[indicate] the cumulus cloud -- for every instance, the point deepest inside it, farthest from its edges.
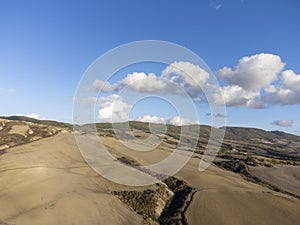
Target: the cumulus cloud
(256, 81)
(151, 119)
(142, 82)
(253, 72)
(286, 91)
(176, 120)
(113, 108)
(291, 80)
(281, 96)
(283, 123)
(186, 74)
(236, 96)
(176, 78)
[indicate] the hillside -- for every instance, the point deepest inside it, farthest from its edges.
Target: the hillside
(21, 130)
(45, 179)
(36, 121)
(276, 144)
(253, 134)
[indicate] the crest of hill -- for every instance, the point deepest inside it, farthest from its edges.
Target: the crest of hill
(18, 130)
(232, 133)
(36, 121)
(246, 141)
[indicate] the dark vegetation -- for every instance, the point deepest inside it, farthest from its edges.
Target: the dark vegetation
(142, 202)
(175, 209)
(145, 202)
(128, 161)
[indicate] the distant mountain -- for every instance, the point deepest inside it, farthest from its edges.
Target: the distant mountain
(255, 141)
(232, 133)
(242, 134)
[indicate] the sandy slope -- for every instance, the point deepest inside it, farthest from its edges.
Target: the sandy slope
(223, 197)
(47, 182)
(284, 177)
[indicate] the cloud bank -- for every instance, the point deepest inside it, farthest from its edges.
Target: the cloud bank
(257, 81)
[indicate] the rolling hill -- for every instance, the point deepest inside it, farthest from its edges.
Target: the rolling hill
(45, 180)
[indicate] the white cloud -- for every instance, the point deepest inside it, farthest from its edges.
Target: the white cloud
(176, 77)
(113, 109)
(253, 72)
(32, 115)
(151, 119)
(281, 96)
(286, 91)
(176, 120)
(236, 96)
(257, 81)
(291, 80)
(283, 123)
(186, 74)
(142, 82)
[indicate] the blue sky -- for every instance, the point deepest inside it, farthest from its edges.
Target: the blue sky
(45, 47)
